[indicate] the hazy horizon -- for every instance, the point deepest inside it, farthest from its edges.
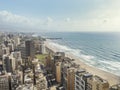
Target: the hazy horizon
(60, 16)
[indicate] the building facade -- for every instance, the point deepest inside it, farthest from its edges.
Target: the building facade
(4, 83)
(99, 83)
(58, 72)
(79, 82)
(30, 50)
(71, 79)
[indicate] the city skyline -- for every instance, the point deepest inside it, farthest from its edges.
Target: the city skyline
(63, 15)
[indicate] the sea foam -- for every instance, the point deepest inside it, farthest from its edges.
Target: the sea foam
(112, 67)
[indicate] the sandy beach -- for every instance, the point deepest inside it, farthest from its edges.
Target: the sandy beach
(111, 78)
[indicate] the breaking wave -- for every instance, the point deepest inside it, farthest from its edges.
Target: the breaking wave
(112, 66)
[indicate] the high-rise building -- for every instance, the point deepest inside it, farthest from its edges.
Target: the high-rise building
(13, 62)
(18, 58)
(11, 47)
(67, 74)
(48, 61)
(1, 66)
(6, 50)
(30, 50)
(16, 40)
(79, 82)
(82, 80)
(1, 52)
(58, 72)
(22, 50)
(42, 47)
(87, 77)
(59, 56)
(71, 79)
(7, 64)
(6, 43)
(15, 80)
(64, 68)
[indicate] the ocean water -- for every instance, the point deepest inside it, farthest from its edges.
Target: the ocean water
(101, 50)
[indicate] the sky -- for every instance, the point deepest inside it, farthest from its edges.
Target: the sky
(60, 15)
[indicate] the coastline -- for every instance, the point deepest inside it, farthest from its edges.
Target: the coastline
(111, 78)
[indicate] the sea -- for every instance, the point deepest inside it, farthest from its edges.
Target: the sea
(100, 50)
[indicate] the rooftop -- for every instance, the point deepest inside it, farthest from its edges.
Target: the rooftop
(87, 75)
(97, 78)
(80, 71)
(26, 87)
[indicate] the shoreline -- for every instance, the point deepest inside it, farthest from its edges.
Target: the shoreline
(111, 78)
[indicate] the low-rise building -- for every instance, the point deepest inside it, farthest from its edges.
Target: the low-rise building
(41, 82)
(115, 87)
(99, 84)
(26, 87)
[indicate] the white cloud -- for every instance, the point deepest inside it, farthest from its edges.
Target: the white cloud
(9, 18)
(49, 19)
(106, 17)
(103, 18)
(67, 19)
